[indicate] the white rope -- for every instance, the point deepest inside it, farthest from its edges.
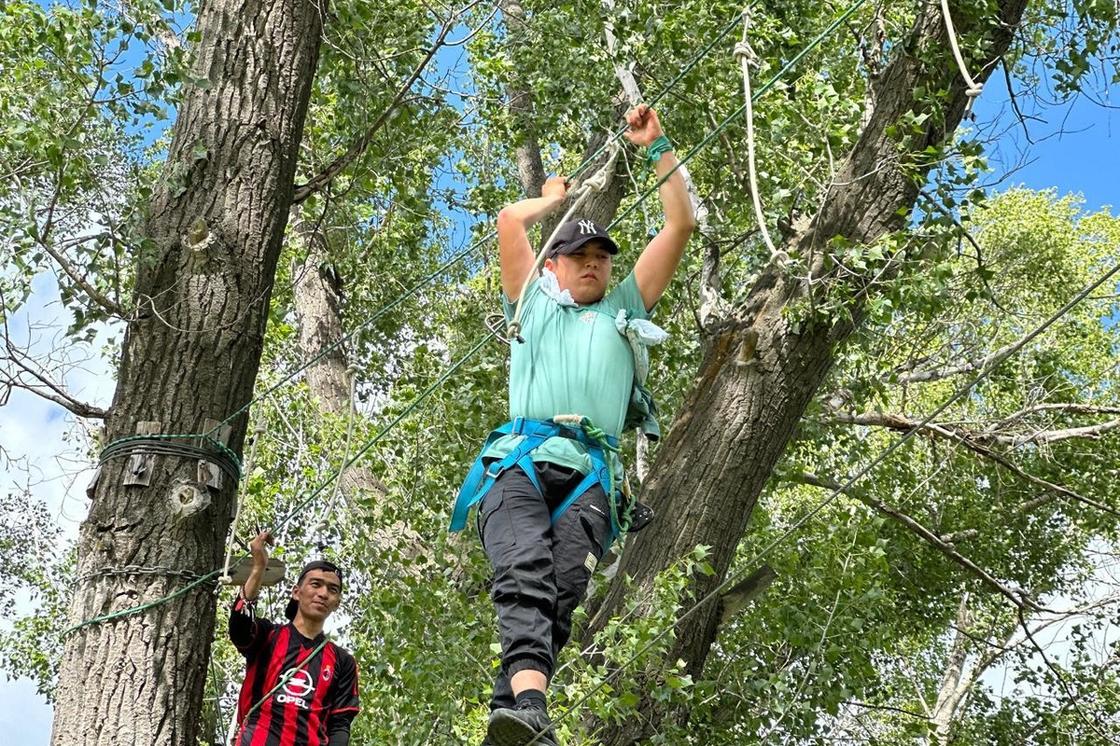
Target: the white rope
(596, 183)
(258, 430)
(746, 57)
(974, 89)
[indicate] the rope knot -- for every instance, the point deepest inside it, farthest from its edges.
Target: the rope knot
(602, 177)
(743, 52)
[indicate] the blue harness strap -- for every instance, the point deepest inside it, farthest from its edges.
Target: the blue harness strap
(481, 477)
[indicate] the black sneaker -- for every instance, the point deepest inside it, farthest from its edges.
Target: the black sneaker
(518, 727)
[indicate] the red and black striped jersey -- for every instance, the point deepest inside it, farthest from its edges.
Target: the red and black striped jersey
(315, 704)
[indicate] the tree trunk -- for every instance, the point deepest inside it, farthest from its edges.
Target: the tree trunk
(317, 293)
(213, 236)
(760, 371)
(951, 691)
(317, 296)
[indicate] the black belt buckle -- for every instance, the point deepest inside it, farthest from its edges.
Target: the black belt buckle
(640, 517)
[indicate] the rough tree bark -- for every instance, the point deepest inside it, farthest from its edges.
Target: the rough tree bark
(759, 371)
(214, 231)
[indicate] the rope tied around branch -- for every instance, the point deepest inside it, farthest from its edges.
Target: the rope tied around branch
(215, 451)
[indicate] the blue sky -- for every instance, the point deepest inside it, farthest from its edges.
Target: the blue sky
(1078, 151)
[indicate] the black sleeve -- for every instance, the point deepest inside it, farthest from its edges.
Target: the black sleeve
(338, 730)
(247, 633)
(344, 702)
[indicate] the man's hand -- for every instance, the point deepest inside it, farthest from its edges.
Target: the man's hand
(258, 548)
(555, 187)
(516, 253)
(645, 127)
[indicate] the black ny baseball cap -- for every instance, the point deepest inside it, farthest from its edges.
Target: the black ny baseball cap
(293, 605)
(575, 233)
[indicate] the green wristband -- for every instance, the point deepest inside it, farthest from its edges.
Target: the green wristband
(657, 148)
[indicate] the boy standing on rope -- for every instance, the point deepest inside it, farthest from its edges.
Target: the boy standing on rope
(300, 689)
(543, 479)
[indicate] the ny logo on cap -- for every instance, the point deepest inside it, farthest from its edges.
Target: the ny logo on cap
(586, 228)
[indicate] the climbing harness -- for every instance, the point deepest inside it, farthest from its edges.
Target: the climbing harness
(534, 433)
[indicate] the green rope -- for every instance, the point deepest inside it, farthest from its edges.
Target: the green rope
(133, 610)
(363, 325)
(385, 430)
(131, 444)
(602, 439)
(302, 505)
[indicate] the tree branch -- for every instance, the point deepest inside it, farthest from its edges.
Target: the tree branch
(327, 175)
(972, 364)
(61, 398)
(903, 423)
(735, 598)
(1073, 697)
(46, 388)
(95, 295)
(1016, 596)
(527, 152)
(1054, 436)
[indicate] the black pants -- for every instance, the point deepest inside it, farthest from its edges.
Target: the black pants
(541, 570)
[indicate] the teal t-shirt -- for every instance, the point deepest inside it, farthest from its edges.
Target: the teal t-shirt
(573, 361)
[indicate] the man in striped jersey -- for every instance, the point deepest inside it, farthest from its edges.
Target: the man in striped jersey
(300, 689)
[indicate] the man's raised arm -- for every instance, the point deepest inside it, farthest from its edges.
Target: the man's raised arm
(245, 630)
(655, 267)
(514, 250)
